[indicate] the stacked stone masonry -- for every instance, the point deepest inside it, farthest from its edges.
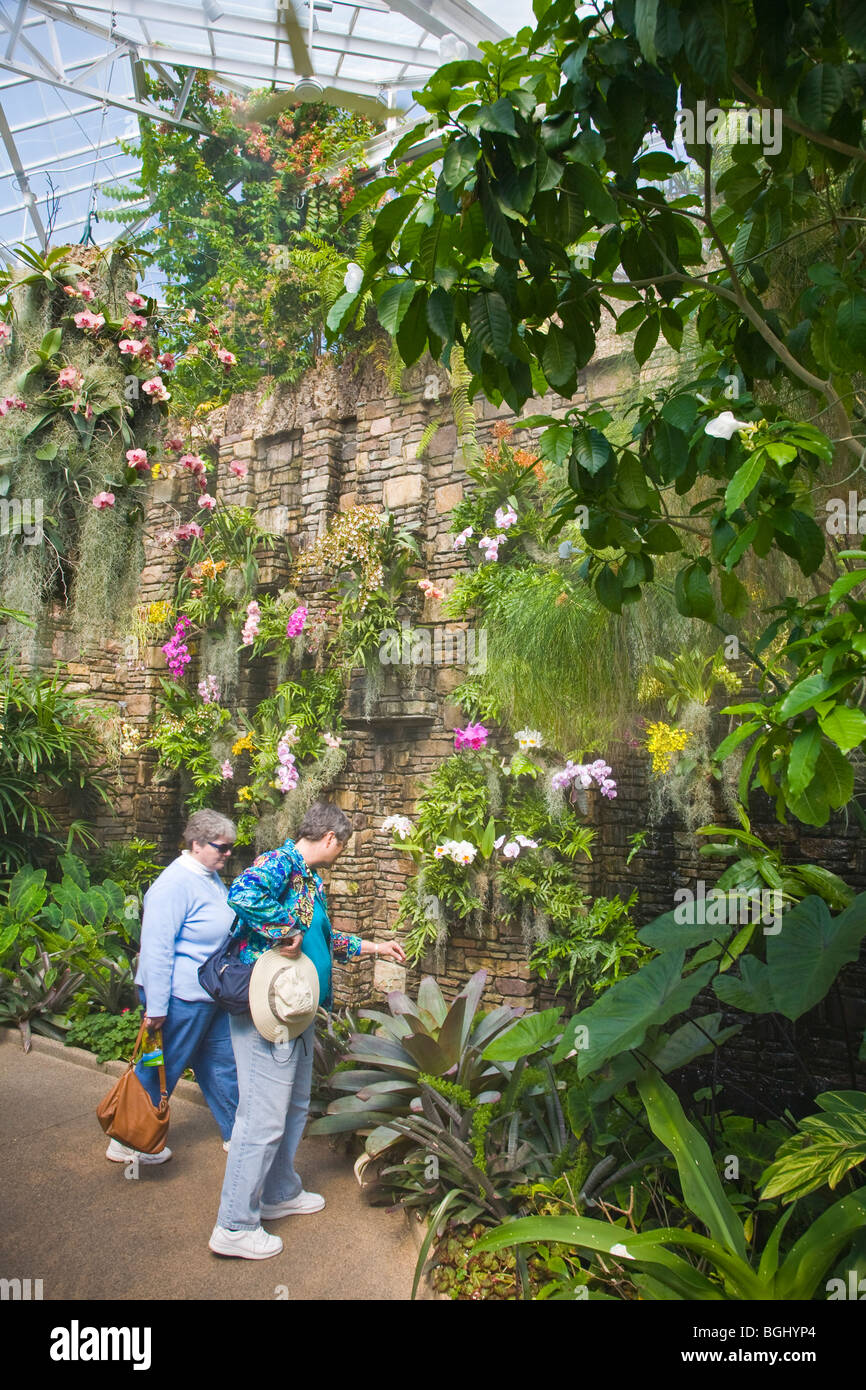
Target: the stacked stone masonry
(341, 438)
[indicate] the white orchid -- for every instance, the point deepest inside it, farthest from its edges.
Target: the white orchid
(354, 278)
(398, 825)
(724, 425)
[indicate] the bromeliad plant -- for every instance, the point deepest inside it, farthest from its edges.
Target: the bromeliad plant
(418, 1043)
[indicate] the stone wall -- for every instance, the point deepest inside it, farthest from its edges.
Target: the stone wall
(343, 437)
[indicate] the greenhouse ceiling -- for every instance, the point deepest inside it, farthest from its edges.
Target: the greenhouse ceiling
(73, 82)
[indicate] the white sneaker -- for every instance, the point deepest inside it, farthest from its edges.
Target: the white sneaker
(249, 1245)
(304, 1202)
(120, 1153)
(227, 1143)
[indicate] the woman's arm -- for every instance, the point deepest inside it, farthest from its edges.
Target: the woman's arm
(165, 910)
(272, 897)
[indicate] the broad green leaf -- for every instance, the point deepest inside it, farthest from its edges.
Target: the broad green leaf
(815, 1252)
(804, 758)
(820, 95)
(430, 998)
(844, 584)
(807, 693)
(498, 118)
(621, 1017)
(645, 17)
(701, 1184)
(490, 322)
(804, 958)
(559, 360)
(394, 305)
(746, 478)
(845, 726)
(591, 449)
(645, 339)
(460, 159)
(527, 1035)
(751, 992)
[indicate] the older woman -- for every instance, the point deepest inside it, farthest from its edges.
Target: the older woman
(186, 918)
(280, 901)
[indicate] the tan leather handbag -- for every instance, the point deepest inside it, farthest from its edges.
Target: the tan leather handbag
(127, 1113)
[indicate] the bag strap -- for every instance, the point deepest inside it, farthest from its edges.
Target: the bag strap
(163, 1085)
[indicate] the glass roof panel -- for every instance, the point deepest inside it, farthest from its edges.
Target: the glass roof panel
(71, 80)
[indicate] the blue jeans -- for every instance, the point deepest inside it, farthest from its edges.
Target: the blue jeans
(196, 1034)
(274, 1081)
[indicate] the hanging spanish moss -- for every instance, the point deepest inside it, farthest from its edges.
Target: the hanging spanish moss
(285, 821)
(221, 658)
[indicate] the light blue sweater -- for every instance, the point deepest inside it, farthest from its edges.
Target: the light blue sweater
(186, 917)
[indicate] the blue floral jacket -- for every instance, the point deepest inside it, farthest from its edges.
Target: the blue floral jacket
(274, 898)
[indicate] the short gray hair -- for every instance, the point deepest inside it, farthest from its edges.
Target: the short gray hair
(205, 826)
(322, 817)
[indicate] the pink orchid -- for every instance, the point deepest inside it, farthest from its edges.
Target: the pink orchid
(167, 360)
(89, 323)
(103, 500)
(131, 347)
(207, 501)
(174, 442)
(238, 468)
(194, 462)
(228, 359)
(86, 292)
(12, 402)
(133, 321)
(5, 332)
(296, 622)
(137, 458)
(70, 377)
(473, 736)
(227, 770)
(135, 301)
(251, 626)
(187, 531)
(155, 388)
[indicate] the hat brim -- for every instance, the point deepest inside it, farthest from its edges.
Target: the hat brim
(265, 971)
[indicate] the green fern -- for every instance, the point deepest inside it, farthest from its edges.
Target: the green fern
(431, 429)
(462, 408)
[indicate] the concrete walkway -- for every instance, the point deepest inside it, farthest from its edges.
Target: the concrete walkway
(73, 1220)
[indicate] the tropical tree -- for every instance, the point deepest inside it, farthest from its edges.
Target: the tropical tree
(554, 215)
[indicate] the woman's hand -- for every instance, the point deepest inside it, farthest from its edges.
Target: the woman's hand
(391, 950)
(152, 1021)
(291, 949)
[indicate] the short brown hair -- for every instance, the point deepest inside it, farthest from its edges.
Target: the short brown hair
(322, 817)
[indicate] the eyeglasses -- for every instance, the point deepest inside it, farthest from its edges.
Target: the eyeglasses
(223, 849)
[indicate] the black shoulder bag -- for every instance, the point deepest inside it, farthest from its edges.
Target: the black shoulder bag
(226, 978)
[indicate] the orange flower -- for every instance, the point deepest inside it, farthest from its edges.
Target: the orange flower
(502, 430)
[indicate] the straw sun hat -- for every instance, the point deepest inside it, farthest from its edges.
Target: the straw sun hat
(284, 995)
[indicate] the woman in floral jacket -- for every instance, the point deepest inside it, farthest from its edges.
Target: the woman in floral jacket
(280, 899)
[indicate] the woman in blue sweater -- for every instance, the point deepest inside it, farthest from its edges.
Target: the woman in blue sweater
(186, 918)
